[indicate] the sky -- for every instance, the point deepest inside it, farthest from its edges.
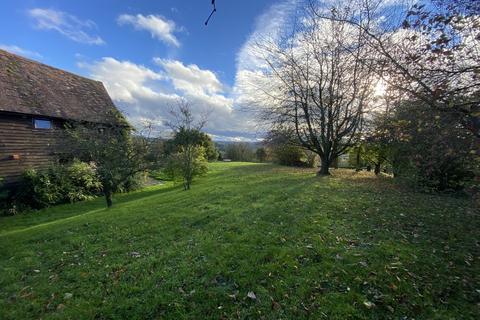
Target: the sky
(150, 53)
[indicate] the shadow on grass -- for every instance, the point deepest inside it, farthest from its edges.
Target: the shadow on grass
(65, 212)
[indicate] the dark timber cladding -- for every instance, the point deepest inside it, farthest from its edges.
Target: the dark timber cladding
(22, 146)
(35, 102)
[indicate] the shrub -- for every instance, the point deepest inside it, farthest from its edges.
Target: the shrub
(311, 159)
(286, 150)
(4, 198)
(3, 191)
(59, 184)
(288, 155)
(38, 190)
(80, 181)
(132, 183)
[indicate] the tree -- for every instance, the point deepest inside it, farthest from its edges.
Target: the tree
(358, 151)
(321, 80)
(378, 145)
(177, 167)
(188, 158)
(211, 152)
(447, 57)
(261, 154)
(429, 51)
(204, 140)
(376, 153)
(239, 151)
(431, 147)
(117, 154)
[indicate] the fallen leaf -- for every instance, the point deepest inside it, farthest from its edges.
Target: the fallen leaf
(251, 295)
(275, 305)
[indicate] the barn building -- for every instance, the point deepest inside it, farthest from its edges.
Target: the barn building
(36, 101)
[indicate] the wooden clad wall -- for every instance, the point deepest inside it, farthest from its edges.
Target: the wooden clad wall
(34, 148)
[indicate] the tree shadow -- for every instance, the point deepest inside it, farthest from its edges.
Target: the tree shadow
(61, 212)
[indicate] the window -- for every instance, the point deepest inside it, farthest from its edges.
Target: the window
(42, 124)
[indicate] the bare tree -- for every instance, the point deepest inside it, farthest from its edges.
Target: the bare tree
(322, 79)
(430, 50)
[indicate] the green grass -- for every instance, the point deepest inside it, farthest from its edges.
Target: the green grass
(350, 246)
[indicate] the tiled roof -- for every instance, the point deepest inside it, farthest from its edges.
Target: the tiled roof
(33, 88)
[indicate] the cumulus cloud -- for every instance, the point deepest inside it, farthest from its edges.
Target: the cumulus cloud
(190, 78)
(159, 27)
(21, 51)
(146, 94)
(66, 24)
(126, 82)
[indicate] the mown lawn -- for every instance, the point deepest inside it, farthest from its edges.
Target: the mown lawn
(350, 246)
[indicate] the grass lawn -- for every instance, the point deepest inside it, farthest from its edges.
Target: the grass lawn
(350, 246)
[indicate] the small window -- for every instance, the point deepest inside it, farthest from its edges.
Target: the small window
(42, 124)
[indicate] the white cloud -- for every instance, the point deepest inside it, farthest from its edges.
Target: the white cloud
(125, 81)
(20, 51)
(190, 78)
(250, 82)
(159, 27)
(65, 24)
(270, 24)
(146, 94)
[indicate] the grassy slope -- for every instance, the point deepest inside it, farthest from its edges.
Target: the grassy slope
(347, 246)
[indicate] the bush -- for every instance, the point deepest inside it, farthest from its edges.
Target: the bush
(311, 159)
(80, 182)
(288, 155)
(4, 198)
(286, 150)
(39, 189)
(3, 191)
(132, 183)
(59, 184)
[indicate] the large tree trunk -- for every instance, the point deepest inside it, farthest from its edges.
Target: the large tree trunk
(324, 168)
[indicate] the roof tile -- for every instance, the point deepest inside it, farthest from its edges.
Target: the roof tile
(33, 88)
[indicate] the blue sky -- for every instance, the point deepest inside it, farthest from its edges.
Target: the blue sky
(148, 53)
